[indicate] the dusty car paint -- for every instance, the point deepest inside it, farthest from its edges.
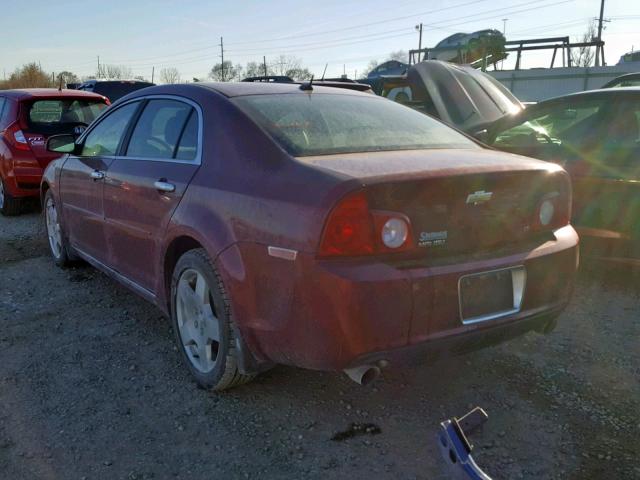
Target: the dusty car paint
(248, 196)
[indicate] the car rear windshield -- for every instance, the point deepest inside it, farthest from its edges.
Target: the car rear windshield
(61, 115)
(325, 124)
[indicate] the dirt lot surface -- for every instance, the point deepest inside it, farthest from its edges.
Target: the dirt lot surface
(91, 386)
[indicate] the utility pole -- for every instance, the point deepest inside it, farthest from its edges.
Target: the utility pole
(599, 51)
(419, 28)
(222, 56)
(504, 34)
(264, 63)
(153, 71)
(98, 72)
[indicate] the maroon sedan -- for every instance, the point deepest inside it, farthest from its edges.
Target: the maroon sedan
(311, 226)
(27, 118)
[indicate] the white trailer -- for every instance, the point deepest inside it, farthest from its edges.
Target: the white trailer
(537, 84)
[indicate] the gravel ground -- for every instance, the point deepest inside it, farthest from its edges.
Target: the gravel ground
(91, 386)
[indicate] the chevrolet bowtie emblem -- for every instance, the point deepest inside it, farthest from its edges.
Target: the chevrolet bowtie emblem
(481, 196)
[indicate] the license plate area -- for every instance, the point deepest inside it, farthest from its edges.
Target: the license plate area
(489, 295)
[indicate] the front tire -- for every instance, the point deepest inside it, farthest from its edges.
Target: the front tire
(9, 206)
(58, 245)
(202, 323)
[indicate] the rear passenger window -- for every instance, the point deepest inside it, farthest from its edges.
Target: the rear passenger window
(189, 141)
(158, 130)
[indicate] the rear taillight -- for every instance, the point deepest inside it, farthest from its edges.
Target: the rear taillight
(553, 211)
(352, 229)
(16, 137)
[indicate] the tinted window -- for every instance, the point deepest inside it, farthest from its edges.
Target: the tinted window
(189, 141)
(61, 115)
(115, 90)
(107, 134)
(323, 124)
(158, 130)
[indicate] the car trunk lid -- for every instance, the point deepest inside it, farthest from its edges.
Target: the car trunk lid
(461, 203)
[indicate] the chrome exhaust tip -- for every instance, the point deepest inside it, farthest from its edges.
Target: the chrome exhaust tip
(364, 374)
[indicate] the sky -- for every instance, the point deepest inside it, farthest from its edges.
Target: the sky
(346, 35)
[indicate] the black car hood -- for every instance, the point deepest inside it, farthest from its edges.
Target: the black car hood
(462, 96)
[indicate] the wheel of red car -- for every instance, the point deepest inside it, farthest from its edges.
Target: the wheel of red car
(9, 205)
(202, 323)
(55, 236)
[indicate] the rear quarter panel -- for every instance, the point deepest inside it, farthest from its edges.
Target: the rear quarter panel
(249, 195)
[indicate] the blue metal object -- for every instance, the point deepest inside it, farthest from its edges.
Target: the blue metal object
(455, 447)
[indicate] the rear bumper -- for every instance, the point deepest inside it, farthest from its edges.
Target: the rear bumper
(330, 315)
(448, 346)
(24, 181)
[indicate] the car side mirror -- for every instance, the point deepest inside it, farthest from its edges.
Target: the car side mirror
(65, 143)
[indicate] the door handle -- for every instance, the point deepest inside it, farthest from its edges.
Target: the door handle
(164, 186)
(97, 175)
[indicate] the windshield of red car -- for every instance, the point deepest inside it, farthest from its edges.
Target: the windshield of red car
(325, 124)
(55, 116)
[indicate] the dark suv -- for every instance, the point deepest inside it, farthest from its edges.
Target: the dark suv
(113, 89)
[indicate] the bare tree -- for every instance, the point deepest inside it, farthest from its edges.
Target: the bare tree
(399, 55)
(299, 73)
(230, 72)
(583, 56)
(170, 75)
(117, 72)
(256, 69)
(371, 66)
(64, 78)
(283, 63)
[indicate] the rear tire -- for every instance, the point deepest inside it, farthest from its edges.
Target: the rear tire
(9, 206)
(202, 323)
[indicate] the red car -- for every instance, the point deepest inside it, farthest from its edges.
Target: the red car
(27, 118)
(311, 226)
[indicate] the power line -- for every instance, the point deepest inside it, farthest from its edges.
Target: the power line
(361, 25)
(315, 45)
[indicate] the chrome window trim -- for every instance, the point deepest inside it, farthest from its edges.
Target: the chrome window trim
(519, 284)
(196, 161)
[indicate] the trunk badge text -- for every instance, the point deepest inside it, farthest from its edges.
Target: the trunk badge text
(479, 197)
(433, 239)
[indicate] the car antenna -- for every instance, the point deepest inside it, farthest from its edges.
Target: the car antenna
(307, 86)
(325, 71)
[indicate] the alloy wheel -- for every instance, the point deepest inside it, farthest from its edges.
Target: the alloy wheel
(53, 228)
(198, 325)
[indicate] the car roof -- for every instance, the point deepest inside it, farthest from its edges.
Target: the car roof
(600, 91)
(237, 89)
(94, 81)
(35, 93)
